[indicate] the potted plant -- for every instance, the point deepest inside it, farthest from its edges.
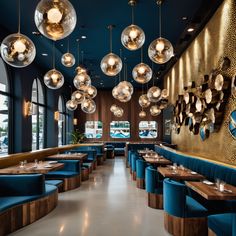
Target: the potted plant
(77, 137)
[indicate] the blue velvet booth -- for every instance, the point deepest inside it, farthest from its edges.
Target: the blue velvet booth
(154, 188)
(208, 169)
(18, 196)
(140, 173)
(110, 151)
(182, 214)
(134, 157)
(119, 147)
(222, 224)
(70, 174)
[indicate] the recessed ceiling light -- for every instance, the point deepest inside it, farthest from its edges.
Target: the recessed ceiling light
(83, 36)
(184, 18)
(44, 54)
(101, 83)
(62, 45)
(190, 29)
(36, 33)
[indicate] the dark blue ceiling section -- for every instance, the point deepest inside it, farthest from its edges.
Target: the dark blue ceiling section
(93, 19)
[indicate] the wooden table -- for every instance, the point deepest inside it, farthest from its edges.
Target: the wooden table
(210, 192)
(186, 174)
(29, 168)
(158, 161)
(144, 152)
(67, 156)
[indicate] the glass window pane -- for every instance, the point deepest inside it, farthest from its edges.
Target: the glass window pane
(41, 127)
(34, 131)
(40, 93)
(3, 124)
(93, 129)
(120, 129)
(3, 77)
(148, 129)
(34, 97)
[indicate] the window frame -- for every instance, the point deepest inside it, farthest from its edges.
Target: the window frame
(148, 121)
(66, 117)
(38, 105)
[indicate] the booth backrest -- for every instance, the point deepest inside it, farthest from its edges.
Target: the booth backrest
(22, 185)
(207, 168)
(140, 146)
(116, 144)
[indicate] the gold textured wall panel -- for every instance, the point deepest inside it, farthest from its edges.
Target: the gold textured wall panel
(217, 39)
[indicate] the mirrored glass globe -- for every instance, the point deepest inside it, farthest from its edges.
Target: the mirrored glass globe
(55, 19)
(82, 79)
(142, 73)
(164, 93)
(119, 112)
(17, 50)
(127, 86)
(123, 95)
(71, 105)
(155, 110)
(88, 106)
(78, 96)
(160, 51)
(80, 69)
(113, 108)
(90, 91)
(53, 79)
(115, 92)
(142, 114)
(144, 101)
(111, 64)
(132, 37)
(67, 60)
(154, 94)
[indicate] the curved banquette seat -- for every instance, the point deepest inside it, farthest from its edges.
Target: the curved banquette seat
(23, 200)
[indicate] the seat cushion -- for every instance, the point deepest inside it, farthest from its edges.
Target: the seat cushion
(61, 174)
(8, 202)
(221, 224)
(55, 182)
(194, 208)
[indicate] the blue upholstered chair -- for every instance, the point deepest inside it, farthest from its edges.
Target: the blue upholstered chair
(140, 173)
(222, 224)
(154, 188)
(183, 214)
(134, 157)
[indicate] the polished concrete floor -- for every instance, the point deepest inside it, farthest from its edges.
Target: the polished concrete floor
(108, 204)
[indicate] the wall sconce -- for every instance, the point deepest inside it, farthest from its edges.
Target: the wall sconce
(28, 108)
(56, 115)
(75, 121)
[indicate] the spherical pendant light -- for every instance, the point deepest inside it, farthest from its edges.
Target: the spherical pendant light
(88, 106)
(155, 111)
(122, 93)
(164, 93)
(55, 19)
(17, 50)
(113, 108)
(160, 51)
(144, 101)
(67, 60)
(132, 37)
(142, 114)
(154, 94)
(115, 92)
(53, 79)
(127, 86)
(80, 69)
(81, 79)
(91, 91)
(77, 96)
(111, 64)
(119, 112)
(71, 105)
(142, 73)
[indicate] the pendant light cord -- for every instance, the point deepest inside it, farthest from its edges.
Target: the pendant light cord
(110, 28)
(132, 15)
(68, 45)
(19, 16)
(160, 32)
(53, 54)
(152, 74)
(141, 54)
(78, 53)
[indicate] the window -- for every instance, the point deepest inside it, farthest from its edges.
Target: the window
(93, 129)
(120, 129)
(4, 109)
(148, 129)
(38, 115)
(61, 122)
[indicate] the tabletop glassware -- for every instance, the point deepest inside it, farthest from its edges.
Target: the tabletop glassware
(22, 164)
(36, 163)
(222, 186)
(217, 182)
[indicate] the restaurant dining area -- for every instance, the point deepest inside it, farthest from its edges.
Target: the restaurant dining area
(118, 118)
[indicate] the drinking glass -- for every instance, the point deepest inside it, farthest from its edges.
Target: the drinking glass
(36, 163)
(22, 164)
(217, 183)
(222, 186)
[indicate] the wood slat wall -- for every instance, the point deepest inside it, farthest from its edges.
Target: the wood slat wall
(104, 100)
